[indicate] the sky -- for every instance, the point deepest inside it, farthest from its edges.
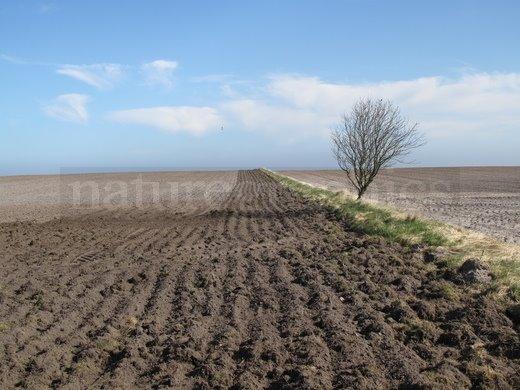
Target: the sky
(97, 85)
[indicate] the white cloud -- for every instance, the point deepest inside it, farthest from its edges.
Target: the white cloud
(480, 102)
(470, 93)
(70, 107)
(174, 119)
(102, 76)
(159, 72)
(293, 105)
(257, 115)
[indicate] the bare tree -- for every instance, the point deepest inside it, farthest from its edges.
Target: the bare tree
(373, 136)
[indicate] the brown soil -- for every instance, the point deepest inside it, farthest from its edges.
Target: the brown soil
(261, 290)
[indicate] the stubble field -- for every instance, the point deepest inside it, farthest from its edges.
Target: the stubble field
(484, 199)
(229, 280)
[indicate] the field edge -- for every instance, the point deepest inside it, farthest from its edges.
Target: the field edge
(455, 243)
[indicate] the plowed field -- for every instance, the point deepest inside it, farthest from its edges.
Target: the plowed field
(256, 288)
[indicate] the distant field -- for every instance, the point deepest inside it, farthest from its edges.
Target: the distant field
(41, 198)
(485, 199)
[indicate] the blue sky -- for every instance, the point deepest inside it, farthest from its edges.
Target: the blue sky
(94, 85)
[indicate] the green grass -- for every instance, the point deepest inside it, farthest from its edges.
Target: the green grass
(368, 219)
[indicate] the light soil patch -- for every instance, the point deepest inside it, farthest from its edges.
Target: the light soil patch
(42, 198)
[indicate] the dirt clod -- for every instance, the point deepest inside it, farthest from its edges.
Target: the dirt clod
(513, 312)
(475, 271)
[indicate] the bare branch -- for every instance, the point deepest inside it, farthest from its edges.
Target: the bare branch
(373, 136)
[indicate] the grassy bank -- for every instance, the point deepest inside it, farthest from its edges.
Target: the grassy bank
(458, 244)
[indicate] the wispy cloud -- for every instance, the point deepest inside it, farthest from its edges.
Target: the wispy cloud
(13, 59)
(71, 107)
(46, 8)
(476, 102)
(101, 76)
(174, 119)
(291, 106)
(159, 72)
(107, 75)
(214, 78)
(277, 119)
(470, 93)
